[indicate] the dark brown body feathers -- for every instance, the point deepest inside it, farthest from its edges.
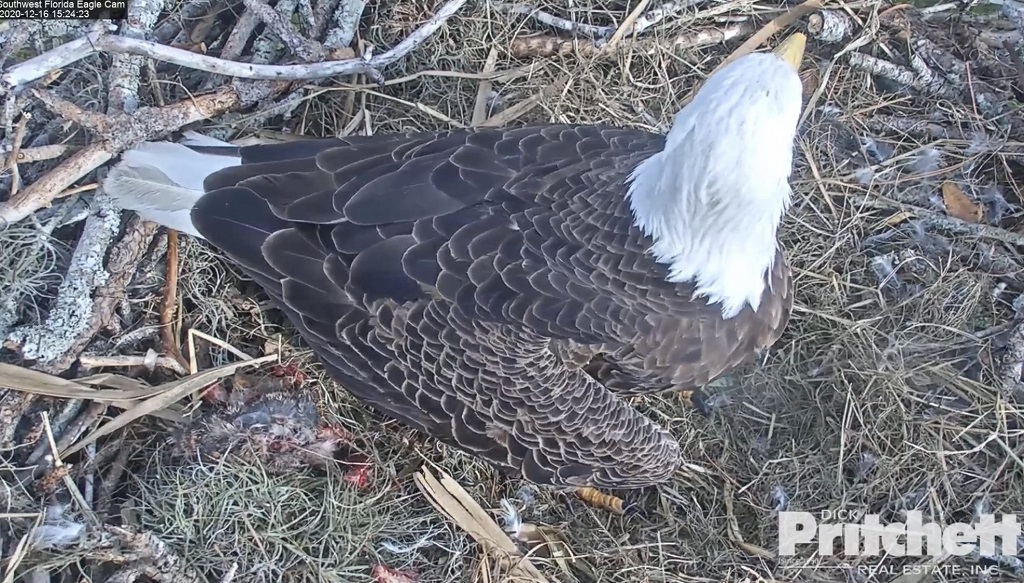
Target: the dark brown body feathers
(465, 282)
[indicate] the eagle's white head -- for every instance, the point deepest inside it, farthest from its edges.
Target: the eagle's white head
(713, 199)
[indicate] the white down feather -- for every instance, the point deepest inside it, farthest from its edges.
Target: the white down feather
(162, 181)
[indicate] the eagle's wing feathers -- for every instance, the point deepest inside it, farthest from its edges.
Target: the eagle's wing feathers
(687, 349)
(430, 274)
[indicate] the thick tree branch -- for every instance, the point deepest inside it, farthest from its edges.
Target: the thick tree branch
(120, 132)
(86, 300)
(549, 46)
(35, 68)
(277, 21)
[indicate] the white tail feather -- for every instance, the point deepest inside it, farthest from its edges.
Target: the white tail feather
(161, 181)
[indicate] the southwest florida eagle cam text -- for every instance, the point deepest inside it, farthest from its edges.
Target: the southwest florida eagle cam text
(63, 9)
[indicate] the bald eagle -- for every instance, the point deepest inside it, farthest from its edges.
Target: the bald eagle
(506, 290)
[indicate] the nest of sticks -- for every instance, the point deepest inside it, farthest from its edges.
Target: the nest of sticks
(126, 348)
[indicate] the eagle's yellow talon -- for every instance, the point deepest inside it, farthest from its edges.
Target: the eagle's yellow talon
(607, 502)
(696, 399)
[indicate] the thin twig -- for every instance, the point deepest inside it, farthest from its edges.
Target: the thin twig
(70, 408)
(39, 153)
(556, 21)
(170, 302)
(68, 481)
(90, 362)
(12, 159)
(78, 190)
(308, 17)
(627, 25)
(912, 126)
(484, 90)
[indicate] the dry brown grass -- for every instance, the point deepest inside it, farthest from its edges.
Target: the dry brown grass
(870, 403)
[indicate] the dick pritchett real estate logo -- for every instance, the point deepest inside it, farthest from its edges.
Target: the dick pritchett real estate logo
(865, 535)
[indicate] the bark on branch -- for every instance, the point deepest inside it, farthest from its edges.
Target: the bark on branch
(549, 46)
(19, 75)
(120, 132)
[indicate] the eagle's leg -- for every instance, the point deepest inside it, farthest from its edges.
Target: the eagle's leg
(608, 502)
(697, 399)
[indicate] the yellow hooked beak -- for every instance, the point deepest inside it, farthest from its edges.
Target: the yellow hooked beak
(792, 50)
